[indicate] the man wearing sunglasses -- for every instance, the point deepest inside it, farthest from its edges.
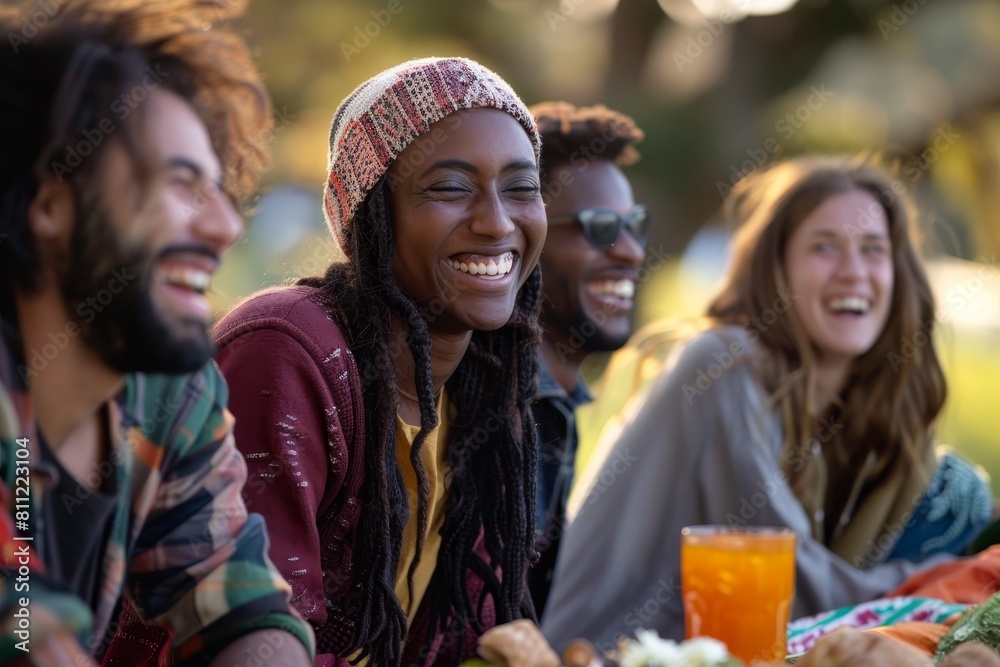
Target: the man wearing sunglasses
(595, 244)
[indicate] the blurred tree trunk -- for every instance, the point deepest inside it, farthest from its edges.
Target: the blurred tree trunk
(633, 26)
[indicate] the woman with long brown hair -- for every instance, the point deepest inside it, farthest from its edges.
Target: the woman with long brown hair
(809, 402)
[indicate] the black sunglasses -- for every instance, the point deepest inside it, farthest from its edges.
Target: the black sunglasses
(601, 226)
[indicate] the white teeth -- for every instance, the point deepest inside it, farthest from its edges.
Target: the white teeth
(494, 266)
(624, 289)
(192, 278)
(852, 304)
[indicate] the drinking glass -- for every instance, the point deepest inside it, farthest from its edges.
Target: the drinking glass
(737, 584)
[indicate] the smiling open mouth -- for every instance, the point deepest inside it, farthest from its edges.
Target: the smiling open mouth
(187, 278)
(486, 265)
(623, 289)
(851, 305)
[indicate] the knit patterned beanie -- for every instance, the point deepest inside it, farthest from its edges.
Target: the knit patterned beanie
(386, 113)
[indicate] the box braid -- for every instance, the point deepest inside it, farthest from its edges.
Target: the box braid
(492, 474)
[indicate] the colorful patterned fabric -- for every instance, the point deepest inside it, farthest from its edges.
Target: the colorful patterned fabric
(957, 505)
(383, 116)
(21, 571)
(963, 580)
(805, 632)
(181, 544)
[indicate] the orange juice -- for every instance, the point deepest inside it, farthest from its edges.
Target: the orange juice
(737, 586)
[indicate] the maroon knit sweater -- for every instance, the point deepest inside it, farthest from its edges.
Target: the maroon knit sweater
(296, 394)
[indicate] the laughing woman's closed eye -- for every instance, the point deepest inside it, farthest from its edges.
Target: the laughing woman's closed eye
(402, 522)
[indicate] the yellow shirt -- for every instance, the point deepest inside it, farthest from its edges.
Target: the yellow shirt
(432, 455)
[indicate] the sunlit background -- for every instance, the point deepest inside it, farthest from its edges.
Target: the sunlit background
(720, 87)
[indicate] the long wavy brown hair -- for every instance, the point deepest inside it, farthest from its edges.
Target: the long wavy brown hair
(893, 392)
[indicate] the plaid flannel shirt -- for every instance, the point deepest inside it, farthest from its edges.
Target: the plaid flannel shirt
(182, 546)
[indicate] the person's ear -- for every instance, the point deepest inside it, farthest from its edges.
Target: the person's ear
(51, 212)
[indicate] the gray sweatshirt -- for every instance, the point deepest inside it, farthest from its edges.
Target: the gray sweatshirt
(700, 447)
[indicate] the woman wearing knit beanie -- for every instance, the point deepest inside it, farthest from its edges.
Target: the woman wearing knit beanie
(383, 409)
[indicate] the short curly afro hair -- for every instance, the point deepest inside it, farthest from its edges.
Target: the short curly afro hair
(571, 133)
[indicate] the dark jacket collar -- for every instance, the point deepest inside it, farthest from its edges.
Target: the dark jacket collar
(548, 387)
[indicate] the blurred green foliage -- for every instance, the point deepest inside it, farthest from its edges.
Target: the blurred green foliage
(914, 81)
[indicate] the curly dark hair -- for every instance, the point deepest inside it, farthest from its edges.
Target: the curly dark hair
(67, 78)
(492, 470)
(571, 134)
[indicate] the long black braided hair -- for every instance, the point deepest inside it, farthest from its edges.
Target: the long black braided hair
(490, 455)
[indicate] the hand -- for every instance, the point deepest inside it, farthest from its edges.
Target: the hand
(517, 644)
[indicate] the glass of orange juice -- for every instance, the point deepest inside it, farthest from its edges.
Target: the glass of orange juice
(737, 584)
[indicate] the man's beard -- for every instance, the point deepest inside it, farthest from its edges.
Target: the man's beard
(600, 340)
(563, 311)
(108, 290)
(573, 317)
